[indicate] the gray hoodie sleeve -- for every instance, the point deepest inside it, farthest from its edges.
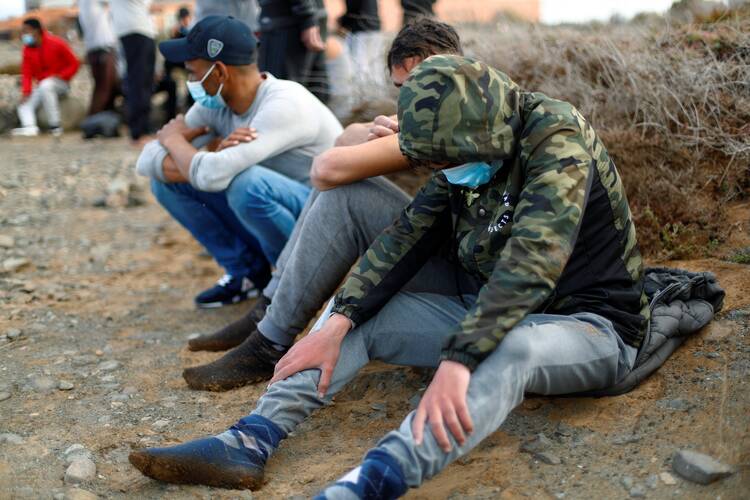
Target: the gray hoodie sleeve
(151, 160)
(280, 128)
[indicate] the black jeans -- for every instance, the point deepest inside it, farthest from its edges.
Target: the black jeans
(106, 81)
(140, 55)
(283, 54)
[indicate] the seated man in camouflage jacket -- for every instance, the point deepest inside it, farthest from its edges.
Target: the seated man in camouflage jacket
(529, 207)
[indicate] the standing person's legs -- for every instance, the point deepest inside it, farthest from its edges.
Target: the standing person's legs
(140, 56)
(333, 231)
(268, 204)
(272, 53)
(406, 331)
(209, 219)
(544, 354)
(101, 64)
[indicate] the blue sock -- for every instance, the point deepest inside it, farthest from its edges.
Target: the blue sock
(253, 434)
(379, 477)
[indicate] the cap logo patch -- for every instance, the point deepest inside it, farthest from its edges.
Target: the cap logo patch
(214, 47)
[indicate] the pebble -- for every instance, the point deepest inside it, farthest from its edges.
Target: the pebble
(10, 438)
(547, 458)
(626, 439)
(637, 492)
(674, 404)
(43, 383)
(120, 397)
(652, 481)
(539, 444)
(15, 263)
(79, 494)
(80, 470)
(108, 366)
(378, 406)
(13, 333)
(161, 424)
(4, 395)
(76, 451)
(667, 479)
(7, 241)
(627, 482)
(64, 385)
(698, 467)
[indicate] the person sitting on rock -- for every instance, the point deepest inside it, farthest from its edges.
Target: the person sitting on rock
(242, 200)
(333, 231)
(48, 60)
(529, 209)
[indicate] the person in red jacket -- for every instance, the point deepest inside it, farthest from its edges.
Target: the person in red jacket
(48, 60)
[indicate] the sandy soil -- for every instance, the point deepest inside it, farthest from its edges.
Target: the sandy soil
(116, 284)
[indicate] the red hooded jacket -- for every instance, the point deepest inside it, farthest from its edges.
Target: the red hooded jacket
(52, 57)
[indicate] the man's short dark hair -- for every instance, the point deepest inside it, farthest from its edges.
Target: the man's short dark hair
(423, 38)
(33, 22)
(183, 12)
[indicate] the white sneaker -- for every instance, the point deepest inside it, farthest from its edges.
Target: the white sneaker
(56, 131)
(25, 132)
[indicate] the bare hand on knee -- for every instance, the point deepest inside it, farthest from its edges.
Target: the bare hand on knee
(444, 406)
(317, 350)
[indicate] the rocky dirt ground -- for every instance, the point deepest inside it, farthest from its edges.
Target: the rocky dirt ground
(96, 307)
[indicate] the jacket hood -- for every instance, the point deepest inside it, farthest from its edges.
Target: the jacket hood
(456, 109)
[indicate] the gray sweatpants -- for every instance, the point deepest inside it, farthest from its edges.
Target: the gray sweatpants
(332, 232)
(544, 354)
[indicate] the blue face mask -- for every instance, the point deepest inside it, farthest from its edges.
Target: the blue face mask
(473, 174)
(199, 94)
(28, 39)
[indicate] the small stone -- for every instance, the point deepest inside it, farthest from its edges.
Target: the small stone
(193, 336)
(7, 241)
(129, 390)
(637, 492)
(674, 404)
(108, 366)
(4, 395)
(43, 383)
(120, 397)
(64, 385)
(713, 355)
(75, 452)
(626, 439)
(378, 406)
(564, 430)
(10, 438)
(539, 444)
(667, 479)
(160, 424)
(547, 458)
(627, 482)
(58, 496)
(13, 333)
(79, 494)
(652, 481)
(698, 467)
(80, 470)
(15, 263)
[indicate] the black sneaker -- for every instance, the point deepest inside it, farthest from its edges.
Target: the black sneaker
(228, 290)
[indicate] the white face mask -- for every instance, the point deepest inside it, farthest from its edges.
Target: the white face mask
(199, 94)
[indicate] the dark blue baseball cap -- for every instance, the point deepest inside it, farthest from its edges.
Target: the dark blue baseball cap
(214, 38)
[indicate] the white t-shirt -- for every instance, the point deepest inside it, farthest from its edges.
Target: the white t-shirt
(290, 122)
(132, 16)
(96, 25)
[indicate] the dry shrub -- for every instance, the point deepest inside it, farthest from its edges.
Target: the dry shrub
(671, 102)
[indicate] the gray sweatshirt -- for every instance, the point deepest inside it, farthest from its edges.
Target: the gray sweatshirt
(293, 127)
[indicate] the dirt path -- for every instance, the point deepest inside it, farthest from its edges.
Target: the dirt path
(105, 303)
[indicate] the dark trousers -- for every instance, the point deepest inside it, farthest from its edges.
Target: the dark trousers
(283, 54)
(106, 82)
(140, 56)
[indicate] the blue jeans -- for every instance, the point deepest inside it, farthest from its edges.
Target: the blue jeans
(243, 227)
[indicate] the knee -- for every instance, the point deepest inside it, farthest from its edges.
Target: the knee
(160, 190)
(248, 187)
(518, 345)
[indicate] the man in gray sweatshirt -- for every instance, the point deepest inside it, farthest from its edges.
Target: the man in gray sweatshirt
(242, 200)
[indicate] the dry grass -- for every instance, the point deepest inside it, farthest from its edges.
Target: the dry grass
(671, 102)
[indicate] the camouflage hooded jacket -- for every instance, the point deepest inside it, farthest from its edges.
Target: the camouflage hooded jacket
(550, 232)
